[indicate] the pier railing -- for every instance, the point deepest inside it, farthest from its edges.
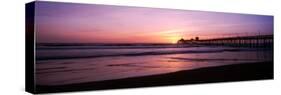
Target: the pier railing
(265, 41)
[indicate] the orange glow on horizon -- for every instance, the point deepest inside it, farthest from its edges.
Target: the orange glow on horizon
(172, 36)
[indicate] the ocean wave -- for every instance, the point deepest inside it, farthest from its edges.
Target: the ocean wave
(208, 60)
(128, 54)
(113, 47)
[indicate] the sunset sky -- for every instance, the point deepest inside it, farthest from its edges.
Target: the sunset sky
(87, 23)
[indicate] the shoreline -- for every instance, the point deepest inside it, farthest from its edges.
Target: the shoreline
(227, 73)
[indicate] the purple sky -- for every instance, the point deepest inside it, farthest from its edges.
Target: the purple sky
(88, 23)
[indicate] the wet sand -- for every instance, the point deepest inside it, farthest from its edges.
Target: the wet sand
(236, 72)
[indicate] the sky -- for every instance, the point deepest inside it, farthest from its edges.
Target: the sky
(89, 23)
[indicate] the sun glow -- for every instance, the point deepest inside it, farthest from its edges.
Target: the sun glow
(172, 36)
(175, 39)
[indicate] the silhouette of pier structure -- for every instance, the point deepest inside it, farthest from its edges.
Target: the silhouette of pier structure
(262, 41)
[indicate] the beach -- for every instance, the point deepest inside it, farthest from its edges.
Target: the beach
(235, 72)
(97, 67)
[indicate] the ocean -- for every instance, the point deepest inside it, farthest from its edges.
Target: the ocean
(58, 64)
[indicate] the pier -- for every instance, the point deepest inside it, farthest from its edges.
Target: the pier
(259, 41)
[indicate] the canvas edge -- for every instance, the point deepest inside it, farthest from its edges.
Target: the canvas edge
(29, 47)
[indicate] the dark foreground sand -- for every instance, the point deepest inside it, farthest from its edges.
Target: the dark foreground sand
(238, 72)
